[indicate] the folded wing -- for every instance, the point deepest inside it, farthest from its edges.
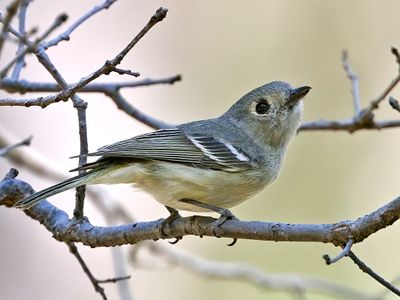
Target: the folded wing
(174, 145)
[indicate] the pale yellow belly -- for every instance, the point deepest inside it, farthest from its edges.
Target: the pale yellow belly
(168, 183)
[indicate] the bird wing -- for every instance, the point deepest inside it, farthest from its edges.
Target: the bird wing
(175, 145)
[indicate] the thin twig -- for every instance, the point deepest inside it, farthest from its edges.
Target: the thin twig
(23, 86)
(375, 103)
(114, 280)
(125, 72)
(7, 149)
(32, 47)
(354, 82)
(22, 30)
(125, 106)
(342, 254)
(363, 267)
(349, 125)
(109, 65)
(65, 36)
(80, 106)
(96, 284)
(11, 12)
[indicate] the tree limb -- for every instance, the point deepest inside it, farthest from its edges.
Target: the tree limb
(66, 230)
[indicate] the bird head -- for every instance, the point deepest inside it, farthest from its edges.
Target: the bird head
(270, 114)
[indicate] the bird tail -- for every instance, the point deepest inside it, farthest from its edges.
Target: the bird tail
(70, 183)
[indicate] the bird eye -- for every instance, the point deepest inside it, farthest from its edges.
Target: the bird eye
(262, 108)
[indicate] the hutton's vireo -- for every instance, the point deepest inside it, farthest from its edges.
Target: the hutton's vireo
(208, 165)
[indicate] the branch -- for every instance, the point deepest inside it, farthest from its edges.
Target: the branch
(349, 125)
(11, 12)
(247, 273)
(96, 284)
(113, 212)
(363, 267)
(354, 82)
(19, 58)
(23, 86)
(65, 36)
(22, 30)
(7, 149)
(125, 106)
(66, 230)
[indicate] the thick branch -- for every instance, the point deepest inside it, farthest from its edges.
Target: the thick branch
(66, 230)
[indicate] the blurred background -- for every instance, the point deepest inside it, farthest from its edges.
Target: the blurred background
(223, 49)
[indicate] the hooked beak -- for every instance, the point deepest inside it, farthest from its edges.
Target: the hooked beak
(297, 94)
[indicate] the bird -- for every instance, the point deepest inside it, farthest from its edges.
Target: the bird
(209, 165)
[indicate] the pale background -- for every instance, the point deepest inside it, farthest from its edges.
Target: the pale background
(223, 49)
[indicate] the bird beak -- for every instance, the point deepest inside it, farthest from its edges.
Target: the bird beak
(297, 94)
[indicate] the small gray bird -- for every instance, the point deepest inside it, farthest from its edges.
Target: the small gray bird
(208, 165)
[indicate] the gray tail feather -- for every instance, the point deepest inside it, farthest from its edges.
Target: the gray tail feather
(70, 183)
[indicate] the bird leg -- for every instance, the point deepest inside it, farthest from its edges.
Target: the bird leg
(174, 214)
(225, 214)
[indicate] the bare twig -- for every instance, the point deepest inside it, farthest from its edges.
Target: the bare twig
(22, 30)
(7, 149)
(21, 53)
(80, 106)
(11, 12)
(114, 280)
(354, 82)
(349, 125)
(23, 86)
(342, 254)
(375, 103)
(363, 267)
(124, 105)
(65, 36)
(96, 283)
(127, 72)
(109, 65)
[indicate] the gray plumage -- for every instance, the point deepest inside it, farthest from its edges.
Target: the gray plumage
(219, 162)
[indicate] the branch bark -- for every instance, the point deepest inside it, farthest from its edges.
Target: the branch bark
(67, 230)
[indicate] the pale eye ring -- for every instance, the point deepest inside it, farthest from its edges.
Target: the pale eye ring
(262, 108)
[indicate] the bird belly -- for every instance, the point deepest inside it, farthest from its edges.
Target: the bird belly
(169, 183)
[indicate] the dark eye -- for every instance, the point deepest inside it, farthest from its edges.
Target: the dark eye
(262, 108)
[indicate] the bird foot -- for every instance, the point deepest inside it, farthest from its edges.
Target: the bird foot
(174, 215)
(226, 215)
